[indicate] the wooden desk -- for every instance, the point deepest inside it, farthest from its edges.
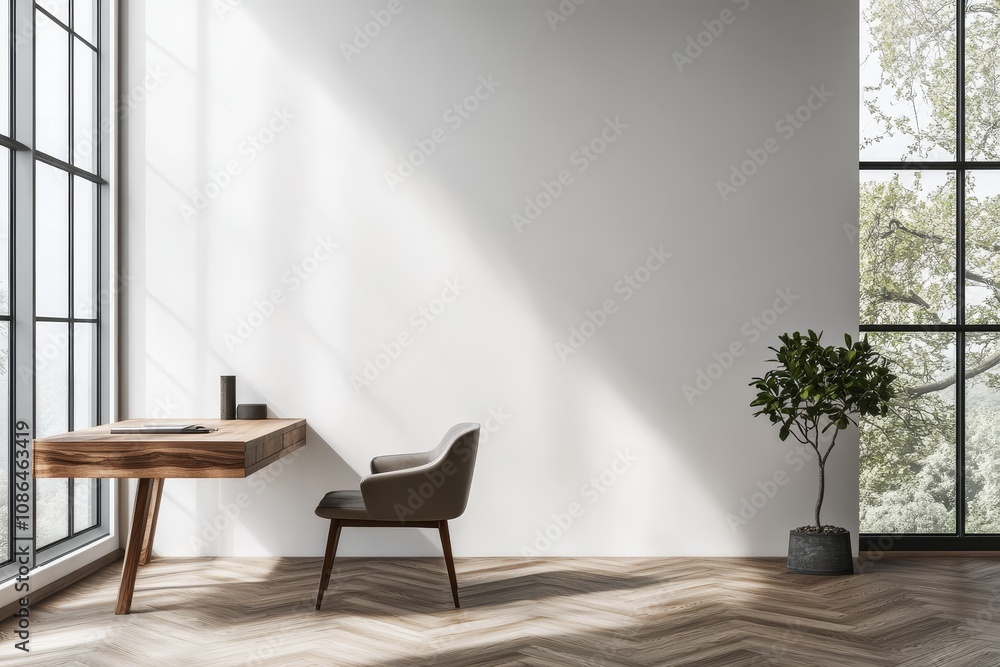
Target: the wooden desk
(238, 448)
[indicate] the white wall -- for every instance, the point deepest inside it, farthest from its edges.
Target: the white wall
(206, 76)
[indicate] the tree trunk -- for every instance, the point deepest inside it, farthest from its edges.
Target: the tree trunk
(819, 497)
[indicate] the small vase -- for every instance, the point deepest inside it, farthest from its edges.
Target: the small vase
(227, 396)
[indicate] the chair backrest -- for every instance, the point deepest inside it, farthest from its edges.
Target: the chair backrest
(437, 490)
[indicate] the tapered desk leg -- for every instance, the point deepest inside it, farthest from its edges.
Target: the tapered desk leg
(140, 517)
(154, 510)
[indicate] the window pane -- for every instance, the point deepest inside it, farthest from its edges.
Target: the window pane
(4, 441)
(84, 107)
(982, 433)
(85, 19)
(51, 241)
(51, 510)
(4, 231)
(908, 457)
(84, 504)
(982, 247)
(58, 8)
(51, 87)
(51, 408)
(908, 79)
(51, 378)
(982, 81)
(85, 376)
(5, 67)
(84, 248)
(908, 247)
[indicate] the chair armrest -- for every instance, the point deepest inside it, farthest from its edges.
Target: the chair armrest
(393, 462)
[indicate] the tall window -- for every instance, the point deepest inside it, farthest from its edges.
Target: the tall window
(7, 144)
(929, 238)
(55, 258)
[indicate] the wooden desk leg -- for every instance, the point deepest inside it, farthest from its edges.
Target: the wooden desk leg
(140, 517)
(154, 510)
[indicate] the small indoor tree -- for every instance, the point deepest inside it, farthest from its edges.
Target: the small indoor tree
(815, 389)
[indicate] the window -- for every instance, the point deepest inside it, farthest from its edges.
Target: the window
(929, 237)
(54, 259)
(6, 143)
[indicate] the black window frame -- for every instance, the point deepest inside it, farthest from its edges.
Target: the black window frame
(24, 159)
(960, 540)
(58, 547)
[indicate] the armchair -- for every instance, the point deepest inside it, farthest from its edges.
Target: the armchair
(419, 490)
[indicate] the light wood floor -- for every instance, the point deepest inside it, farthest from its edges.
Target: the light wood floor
(585, 612)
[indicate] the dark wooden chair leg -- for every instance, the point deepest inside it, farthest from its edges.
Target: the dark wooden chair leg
(449, 560)
(331, 549)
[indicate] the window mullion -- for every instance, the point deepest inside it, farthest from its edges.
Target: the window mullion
(960, 344)
(71, 246)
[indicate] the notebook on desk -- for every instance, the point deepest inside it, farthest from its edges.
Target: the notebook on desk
(163, 428)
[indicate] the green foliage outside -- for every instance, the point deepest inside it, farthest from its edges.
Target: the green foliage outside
(907, 236)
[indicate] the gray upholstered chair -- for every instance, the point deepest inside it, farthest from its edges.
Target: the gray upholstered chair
(422, 490)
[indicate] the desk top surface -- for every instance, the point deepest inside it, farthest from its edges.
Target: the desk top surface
(229, 431)
(238, 448)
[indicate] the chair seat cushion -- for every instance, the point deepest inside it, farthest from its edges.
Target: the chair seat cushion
(342, 505)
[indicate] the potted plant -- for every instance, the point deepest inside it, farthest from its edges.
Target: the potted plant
(814, 390)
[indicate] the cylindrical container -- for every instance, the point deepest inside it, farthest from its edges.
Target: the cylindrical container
(227, 395)
(251, 411)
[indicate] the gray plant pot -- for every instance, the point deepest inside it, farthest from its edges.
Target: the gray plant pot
(819, 553)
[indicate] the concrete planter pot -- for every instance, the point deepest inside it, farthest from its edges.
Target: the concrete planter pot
(820, 553)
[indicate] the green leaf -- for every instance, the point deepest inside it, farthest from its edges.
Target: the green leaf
(815, 388)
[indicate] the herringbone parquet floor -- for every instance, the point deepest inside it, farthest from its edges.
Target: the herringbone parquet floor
(582, 612)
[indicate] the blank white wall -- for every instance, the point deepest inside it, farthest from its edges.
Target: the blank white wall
(265, 241)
